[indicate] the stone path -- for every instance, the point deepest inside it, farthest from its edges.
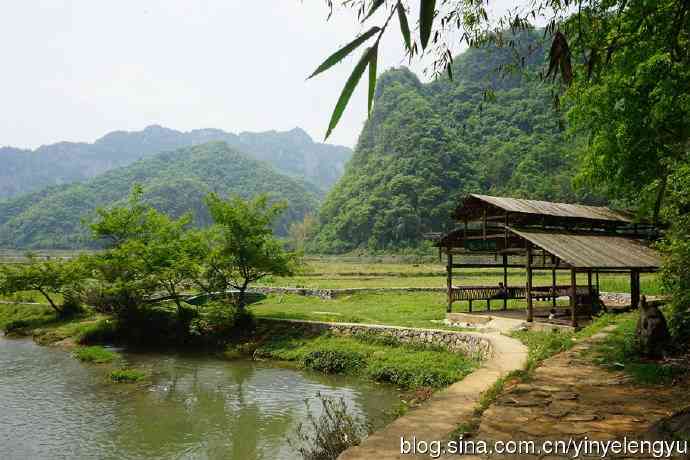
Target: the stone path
(442, 414)
(570, 396)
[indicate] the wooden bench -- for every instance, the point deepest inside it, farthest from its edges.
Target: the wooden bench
(539, 293)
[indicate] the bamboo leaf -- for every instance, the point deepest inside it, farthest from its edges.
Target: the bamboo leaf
(348, 89)
(373, 58)
(426, 20)
(404, 26)
(338, 56)
(374, 6)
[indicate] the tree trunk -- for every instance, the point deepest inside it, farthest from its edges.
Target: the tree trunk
(50, 301)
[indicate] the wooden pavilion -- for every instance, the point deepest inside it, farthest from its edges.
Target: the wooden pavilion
(508, 233)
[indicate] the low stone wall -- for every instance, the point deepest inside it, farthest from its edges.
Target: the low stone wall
(470, 344)
(328, 294)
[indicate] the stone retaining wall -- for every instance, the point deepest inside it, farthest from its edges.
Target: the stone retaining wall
(470, 344)
(329, 294)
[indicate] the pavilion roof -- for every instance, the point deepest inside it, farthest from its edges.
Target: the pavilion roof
(587, 250)
(545, 208)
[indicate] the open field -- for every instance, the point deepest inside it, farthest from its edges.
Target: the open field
(416, 309)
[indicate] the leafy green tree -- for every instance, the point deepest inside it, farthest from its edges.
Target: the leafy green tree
(50, 278)
(240, 248)
(676, 247)
(146, 251)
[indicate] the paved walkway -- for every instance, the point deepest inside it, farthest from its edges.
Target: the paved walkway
(447, 409)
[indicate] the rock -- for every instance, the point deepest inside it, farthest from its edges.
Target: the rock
(652, 329)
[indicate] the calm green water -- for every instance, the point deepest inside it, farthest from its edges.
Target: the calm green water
(54, 407)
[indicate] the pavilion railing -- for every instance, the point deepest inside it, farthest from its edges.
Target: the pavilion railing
(514, 292)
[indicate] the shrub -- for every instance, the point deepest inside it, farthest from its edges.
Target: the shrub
(95, 354)
(334, 361)
(126, 375)
(334, 431)
(103, 331)
(219, 319)
(16, 326)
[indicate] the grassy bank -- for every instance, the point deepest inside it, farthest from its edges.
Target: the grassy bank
(378, 358)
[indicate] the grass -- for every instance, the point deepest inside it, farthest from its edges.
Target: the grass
(619, 351)
(95, 354)
(379, 359)
(127, 375)
(353, 272)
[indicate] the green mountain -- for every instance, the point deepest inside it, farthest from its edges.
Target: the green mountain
(291, 152)
(174, 182)
(427, 145)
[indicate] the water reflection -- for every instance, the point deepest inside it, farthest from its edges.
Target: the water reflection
(195, 406)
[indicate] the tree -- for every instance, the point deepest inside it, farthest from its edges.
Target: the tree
(48, 277)
(588, 31)
(240, 248)
(146, 251)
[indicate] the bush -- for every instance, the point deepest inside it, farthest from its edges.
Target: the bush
(16, 326)
(103, 331)
(126, 376)
(95, 354)
(334, 361)
(220, 320)
(326, 437)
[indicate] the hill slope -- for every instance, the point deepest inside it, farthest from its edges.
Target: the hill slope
(426, 145)
(291, 152)
(174, 182)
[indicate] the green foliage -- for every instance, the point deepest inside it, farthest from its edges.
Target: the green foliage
(48, 277)
(240, 248)
(102, 331)
(676, 249)
(620, 351)
(333, 432)
(333, 361)
(174, 183)
(427, 145)
(220, 320)
(406, 365)
(543, 344)
(95, 354)
(126, 375)
(16, 326)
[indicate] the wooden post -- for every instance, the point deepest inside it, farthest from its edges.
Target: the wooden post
(449, 276)
(590, 291)
(573, 296)
(634, 288)
(553, 286)
(505, 281)
(530, 309)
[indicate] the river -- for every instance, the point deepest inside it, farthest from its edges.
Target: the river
(194, 406)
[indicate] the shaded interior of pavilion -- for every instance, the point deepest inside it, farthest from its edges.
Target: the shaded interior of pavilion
(549, 258)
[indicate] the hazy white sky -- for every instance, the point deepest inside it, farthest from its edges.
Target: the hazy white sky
(77, 69)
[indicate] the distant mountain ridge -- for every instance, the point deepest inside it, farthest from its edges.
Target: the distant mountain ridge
(291, 152)
(175, 182)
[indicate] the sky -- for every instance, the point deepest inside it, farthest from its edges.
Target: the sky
(73, 70)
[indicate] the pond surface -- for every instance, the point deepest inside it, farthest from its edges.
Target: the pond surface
(194, 407)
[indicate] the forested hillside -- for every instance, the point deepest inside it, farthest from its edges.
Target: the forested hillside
(174, 182)
(290, 152)
(426, 145)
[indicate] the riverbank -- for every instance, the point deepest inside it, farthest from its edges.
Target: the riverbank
(420, 366)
